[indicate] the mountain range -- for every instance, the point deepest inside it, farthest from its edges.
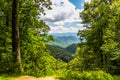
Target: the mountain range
(65, 39)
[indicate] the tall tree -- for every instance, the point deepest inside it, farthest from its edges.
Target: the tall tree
(101, 33)
(28, 11)
(15, 36)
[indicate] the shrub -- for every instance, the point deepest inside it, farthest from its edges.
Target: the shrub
(116, 77)
(91, 75)
(73, 75)
(96, 75)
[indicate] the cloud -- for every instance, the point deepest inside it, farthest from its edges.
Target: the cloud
(61, 9)
(67, 27)
(62, 29)
(87, 0)
(63, 12)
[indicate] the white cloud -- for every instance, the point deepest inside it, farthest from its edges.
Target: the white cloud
(61, 29)
(87, 0)
(62, 12)
(61, 9)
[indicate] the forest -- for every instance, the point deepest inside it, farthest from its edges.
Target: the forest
(24, 38)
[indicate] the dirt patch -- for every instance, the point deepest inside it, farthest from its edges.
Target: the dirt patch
(34, 78)
(47, 79)
(26, 78)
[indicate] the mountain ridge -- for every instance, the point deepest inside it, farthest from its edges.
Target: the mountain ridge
(65, 39)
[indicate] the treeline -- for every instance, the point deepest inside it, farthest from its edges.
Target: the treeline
(23, 38)
(99, 54)
(101, 51)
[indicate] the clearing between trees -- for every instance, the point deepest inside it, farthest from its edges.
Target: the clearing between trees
(34, 78)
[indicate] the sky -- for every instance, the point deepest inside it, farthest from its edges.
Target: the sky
(64, 16)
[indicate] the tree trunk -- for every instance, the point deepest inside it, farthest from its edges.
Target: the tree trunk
(15, 36)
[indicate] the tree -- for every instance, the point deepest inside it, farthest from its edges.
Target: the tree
(30, 49)
(15, 36)
(15, 28)
(101, 31)
(15, 24)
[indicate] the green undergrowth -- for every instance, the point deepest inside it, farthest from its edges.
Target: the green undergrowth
(116, 77)
(8, 76)
(90, 75)
(70, 75)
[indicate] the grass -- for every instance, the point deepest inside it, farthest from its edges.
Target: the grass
(116, 77)
(17, 77)
(9, 76)
(14, 77)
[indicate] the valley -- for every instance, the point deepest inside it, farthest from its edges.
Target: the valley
(64, 46)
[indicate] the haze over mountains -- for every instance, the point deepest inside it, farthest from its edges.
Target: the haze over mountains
(65, 39)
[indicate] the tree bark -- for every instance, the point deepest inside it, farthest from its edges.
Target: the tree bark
(15, 36)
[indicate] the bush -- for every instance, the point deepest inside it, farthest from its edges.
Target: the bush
(92, 75)
(116, 77)
(96, 75)
(73, 75)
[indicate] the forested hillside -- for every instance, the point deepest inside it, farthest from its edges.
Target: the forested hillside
(65, 54)
(60, 53)
(24, 39)
(71, 48)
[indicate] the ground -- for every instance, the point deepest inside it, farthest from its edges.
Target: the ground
(26, 77)
(34, 78)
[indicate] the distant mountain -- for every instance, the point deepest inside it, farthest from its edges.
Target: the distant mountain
(60, 53)
(65, 39)
(71, 48)
(64, 34)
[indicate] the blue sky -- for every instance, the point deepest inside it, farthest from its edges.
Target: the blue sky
(64, 16)
(77, 3)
